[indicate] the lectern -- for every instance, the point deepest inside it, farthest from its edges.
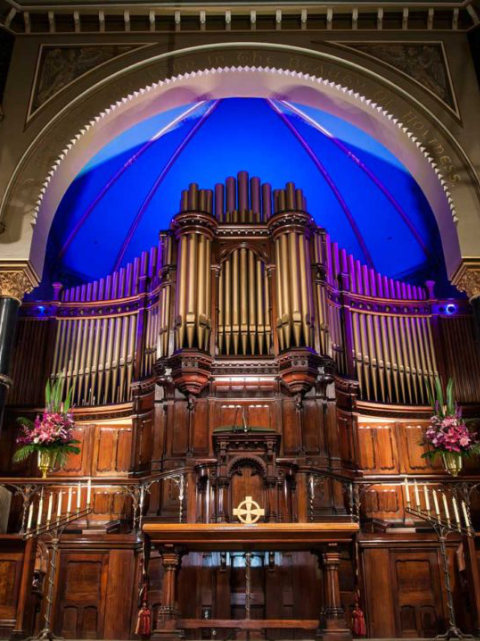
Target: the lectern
(173, 540)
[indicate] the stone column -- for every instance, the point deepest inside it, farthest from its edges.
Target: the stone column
(467, 279)
(333, 626)
(15, 282)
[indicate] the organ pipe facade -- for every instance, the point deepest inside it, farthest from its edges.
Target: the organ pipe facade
(244, 272)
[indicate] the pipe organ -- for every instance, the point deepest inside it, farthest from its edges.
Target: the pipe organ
(245, 272)
(245, 355)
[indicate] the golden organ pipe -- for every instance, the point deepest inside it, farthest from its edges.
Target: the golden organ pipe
(181, 284)
(208, 292)
(101, 359)
(260, 306)
(280, 309)
(286, 320)
(243, 276)
(123, 358)
(267, 311)
(386, 358)
(373, 354)
(235, 302)
(295, 312)
(221, 310)
(252, 287)
(380, 358)
(96, 356)
(228, 301)
(191, 299)
(201, 307)
(393, 358)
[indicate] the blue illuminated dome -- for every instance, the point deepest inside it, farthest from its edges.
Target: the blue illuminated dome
(355, 188)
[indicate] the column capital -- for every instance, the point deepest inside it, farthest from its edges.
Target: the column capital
(467, 277)
(17, 278)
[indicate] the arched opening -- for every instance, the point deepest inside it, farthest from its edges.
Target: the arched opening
(355, 188)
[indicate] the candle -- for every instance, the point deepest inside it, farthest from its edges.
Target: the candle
(427, 498)
(435, 501)
(59, 505)
(40, 510)
(69, 502)
(465, 514)
(89, 492)
(455, 509)
(445, 505)
(79, 495)
(407, 492)
(417, 495)
(50, 506)
(30, 516)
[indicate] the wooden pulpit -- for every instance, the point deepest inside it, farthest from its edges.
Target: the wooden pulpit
(173, 540)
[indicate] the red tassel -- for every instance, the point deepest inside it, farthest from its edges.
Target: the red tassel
(144, 621)
(359, 625)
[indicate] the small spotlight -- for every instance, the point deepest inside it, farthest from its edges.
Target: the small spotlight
(450, 309)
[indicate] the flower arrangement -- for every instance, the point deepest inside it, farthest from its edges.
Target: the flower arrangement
(448, 434)
(50, 435)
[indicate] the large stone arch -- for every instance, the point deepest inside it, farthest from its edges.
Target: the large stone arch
(386, 111)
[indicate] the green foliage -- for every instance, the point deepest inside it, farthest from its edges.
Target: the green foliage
(442, 405)
(61, 452)
(23, 453)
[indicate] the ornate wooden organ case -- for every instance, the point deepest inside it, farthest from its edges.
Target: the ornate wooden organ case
(247, 355)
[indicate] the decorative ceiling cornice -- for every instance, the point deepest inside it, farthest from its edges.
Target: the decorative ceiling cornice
(28, 17)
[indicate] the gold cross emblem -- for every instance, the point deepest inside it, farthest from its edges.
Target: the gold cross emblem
(248, 511)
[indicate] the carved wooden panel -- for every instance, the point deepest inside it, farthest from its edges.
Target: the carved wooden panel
(112, 450)
(201, 440)
(291, 436)
(16, 571)
(80, 602)
(378, 448)
(383, 502)
(8, 576)
(312, 426)
(180, 429)
(416, 575)
(346, 440)
(412, 435)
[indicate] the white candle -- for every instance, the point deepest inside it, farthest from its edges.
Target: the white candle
(407, 492)
(50, 506)
(69, 503)
(30, 516)
(455, 509)
(89, 492)
(465, 514)
(417, 495)
(435, 501)
(445, 505)
(427, 498)
(79, 495)
(40, 510)
(59, 504)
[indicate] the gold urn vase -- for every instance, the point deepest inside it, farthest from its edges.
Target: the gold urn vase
(46, 461)
(452, 462)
